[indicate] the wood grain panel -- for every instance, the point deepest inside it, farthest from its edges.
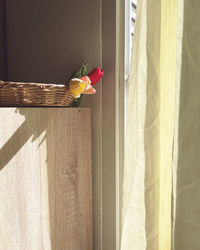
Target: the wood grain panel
(45, 179)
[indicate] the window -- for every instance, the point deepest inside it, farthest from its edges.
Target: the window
(130, 16)
(118, 19)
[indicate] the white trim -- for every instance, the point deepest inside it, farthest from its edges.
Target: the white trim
(117, 27)
(112, 121)
(120, 115)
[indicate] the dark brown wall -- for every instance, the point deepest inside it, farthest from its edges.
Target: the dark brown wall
(47, 39)
(1, 45)
(3, 50)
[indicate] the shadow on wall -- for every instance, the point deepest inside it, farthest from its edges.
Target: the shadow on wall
(68, 174)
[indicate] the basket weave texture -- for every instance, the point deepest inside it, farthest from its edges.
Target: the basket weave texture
(34, 94)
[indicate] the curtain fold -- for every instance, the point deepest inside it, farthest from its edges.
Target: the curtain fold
(147, 206)
(161, 201)
(186, 155)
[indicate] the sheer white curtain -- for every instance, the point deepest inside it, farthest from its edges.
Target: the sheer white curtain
(161, 204)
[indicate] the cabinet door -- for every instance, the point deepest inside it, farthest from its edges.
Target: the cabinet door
(45, 179)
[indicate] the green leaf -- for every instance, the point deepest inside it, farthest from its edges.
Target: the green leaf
(82, 71)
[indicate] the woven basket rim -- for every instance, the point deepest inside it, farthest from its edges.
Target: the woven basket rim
(35, 83)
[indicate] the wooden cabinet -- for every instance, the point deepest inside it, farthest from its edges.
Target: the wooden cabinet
(45, 179)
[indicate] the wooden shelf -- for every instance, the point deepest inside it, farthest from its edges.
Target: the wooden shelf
(45, 179)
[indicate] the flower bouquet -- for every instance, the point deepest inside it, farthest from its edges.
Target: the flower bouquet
(82, 83)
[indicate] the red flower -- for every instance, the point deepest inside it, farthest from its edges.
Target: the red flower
(95, 75)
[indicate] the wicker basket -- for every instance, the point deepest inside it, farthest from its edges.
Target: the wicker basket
(34, 94)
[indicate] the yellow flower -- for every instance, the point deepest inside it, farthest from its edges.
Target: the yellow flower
(76, 87)
(81, 86)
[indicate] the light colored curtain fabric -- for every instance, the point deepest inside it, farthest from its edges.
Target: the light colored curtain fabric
(161, 202)
(186, 163)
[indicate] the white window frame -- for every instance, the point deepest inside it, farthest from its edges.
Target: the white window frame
(113, 33)
(116, 51)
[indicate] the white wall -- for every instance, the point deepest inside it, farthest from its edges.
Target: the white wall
(47, 40)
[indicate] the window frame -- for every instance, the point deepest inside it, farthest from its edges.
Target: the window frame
(117, 27)
(113, 62)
